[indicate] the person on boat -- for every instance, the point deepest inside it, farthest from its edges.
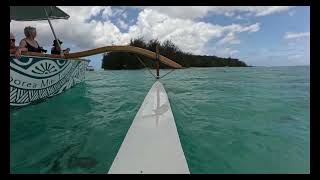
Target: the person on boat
(29, 43)
(13, 47)
(56, 49)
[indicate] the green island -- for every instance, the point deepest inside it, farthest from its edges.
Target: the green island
(124, 60)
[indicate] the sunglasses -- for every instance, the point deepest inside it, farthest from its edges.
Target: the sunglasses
(13, 40)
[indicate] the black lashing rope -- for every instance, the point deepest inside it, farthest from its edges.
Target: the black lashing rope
(150, 70)
(167, 73)
(145, 66)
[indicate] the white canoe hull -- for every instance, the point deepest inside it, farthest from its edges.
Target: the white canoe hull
(152, 144)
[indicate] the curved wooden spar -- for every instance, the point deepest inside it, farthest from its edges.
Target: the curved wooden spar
(130, 49)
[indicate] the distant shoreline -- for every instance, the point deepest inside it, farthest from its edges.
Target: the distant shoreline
(214, 67)
(125, 60)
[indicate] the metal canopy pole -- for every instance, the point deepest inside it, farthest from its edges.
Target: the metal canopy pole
(54, 34)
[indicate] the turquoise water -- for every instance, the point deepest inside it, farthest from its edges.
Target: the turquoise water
(230, 120)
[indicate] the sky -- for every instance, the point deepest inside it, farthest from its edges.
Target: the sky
(257, 35)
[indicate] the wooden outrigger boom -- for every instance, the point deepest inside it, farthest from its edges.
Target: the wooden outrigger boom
(130, 49)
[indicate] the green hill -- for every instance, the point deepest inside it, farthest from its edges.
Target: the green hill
(122, 60)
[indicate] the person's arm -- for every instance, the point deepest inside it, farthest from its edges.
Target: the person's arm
(21, 48)
(23, 44)
(66, 51)
(43, 50)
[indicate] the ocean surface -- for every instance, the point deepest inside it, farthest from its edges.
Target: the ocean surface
(230, 120)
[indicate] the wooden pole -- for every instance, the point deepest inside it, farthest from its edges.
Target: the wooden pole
(157, 61)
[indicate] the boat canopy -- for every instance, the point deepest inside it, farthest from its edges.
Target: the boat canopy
(36, 13)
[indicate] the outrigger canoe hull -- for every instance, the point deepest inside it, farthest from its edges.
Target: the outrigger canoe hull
(152, 144)
(34, 79)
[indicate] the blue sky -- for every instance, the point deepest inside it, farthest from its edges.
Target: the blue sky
(260, 36)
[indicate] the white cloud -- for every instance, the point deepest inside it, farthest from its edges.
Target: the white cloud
(230, 38)
(95, 10)
(295, 35)
(107, 12)
(263, 11)
(122, 24)
(240, 28)
(180, 25)
(82, 13)
(124, 15)
(192, 12)
(183, 12)
(189, 35)
(77, 30)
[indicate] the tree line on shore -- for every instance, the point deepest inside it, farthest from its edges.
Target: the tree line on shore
(125, 60)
